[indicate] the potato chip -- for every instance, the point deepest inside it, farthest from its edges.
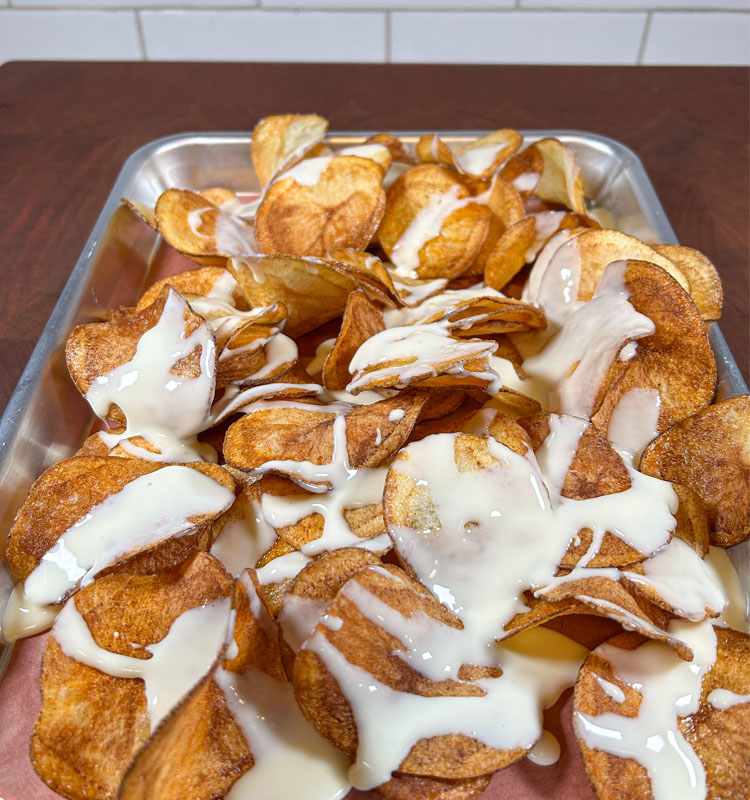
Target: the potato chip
(363, 644)
(337, 202)
(399, 151)
(483, 157)
(676, 359)
(361, 321)
(200, 282)
(79, 487)
(432, 228)
(432, 150)
(524, 171)
(298, 283)
(293, 437)
(415, 787)
(282, 140)
(561, 180)
(92, 723)
(708, 452)
(707, 740)
(702, 277)
(146, 213)
(195, 226)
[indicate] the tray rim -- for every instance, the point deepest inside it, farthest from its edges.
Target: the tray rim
(59, 321)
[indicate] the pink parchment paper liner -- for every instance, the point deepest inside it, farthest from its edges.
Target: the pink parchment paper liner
(20, 700)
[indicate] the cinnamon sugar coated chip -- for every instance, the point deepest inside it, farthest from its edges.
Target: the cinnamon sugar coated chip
(412, 446)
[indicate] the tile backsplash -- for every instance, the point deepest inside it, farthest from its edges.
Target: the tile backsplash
(406, 31)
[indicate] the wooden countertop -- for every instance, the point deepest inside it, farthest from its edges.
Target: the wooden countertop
(66, 129)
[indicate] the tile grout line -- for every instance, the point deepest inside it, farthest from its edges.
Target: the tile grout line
(141, 35)
(388, 37)
(644, 38)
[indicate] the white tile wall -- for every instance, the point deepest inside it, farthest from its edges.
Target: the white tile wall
(448, 31)
(264, 36)
(105, 35)
(698, 39)
(517, 37)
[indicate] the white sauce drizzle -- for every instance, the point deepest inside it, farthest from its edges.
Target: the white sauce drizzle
(670, 688)
(724, 698)
(308, 172)
(476, 160)
(177, 662)
(165, 409)
(546, 751)
(147, 510)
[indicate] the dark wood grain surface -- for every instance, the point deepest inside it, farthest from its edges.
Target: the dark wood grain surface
(66, 128)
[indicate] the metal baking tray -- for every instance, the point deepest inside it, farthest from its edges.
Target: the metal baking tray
(47, 419)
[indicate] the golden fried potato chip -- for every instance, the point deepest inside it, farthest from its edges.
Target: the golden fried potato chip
(483, 157)
(378, 280)
(364, 522)
(399, 151)
(431, 149)
(197, 282)
(595, 250)
(69, 491)
(676, 359)
(289, 436)
(311, 592)
(371, 648)
(195, 226)
(432, 228)
(255, 353)
(716, 736)
(609, 598)
(298, 283)
(146, 213)
(524, 170)
(709, 453)
(336, 202)
(361, 321)
(596, 470)
(91, 724)
(416, 787)
(282, 140)
(420, 356)
(702, 277)
(561, 180)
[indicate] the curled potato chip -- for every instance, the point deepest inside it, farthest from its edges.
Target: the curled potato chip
(146, 213)
(338, 202)
(432, 227)
(378, 280)
(399, 151)
(431, 149)
(280, 141)
(195, 226)
(298, 283)
(293, 435)
(68, 491)
(609, 598)
(709, 453)
(364, 644)
(716, 736)
(593, 251)
(676, 359)
(524, 170)
(561, 180)
(91, 724)
(198, 282)
(364, 522)
(484, 156)
(702, 277)
(361, 321)
(310, 594)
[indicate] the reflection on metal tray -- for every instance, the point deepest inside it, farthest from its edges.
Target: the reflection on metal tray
(46, 418)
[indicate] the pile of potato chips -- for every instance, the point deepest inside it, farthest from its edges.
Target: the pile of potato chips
(407, 417)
